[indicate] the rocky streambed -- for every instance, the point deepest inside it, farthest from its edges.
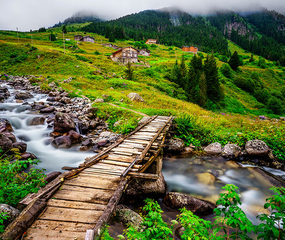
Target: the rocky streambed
(63, 131)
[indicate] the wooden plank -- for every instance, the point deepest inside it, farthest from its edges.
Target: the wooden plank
(71, 215)
(106, 166)
(81, 189)
(120, 163)
(94, 182)
(136, 141)
(102, 171)
(105, 217)
(143, 175)
(141, 137)
(130, 150)
(98, 175)
(75, 205)
(35, 234)
(92, 196)
(46, 225)
(122, 153)
(89, 234)
(120, 158)
(132, 146)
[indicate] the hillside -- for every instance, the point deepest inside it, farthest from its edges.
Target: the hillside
(95, 75)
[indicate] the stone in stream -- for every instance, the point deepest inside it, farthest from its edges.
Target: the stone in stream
(177, 200)
(63, 123)
(206, 178)
(10, 212)
(22, 95)
(27, 155)
(145, 188)
(257, 148)
(10, 136)
(213, 148)
(62, 142)
(47, 110)
(174, 145)
(231, 151)
(75, 137)
(37, 121)
(5, 142)
(21, 146)
(128, 217)
(5, 125)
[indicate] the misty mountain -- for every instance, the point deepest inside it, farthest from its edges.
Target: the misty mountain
(80, 17)
(168, 26)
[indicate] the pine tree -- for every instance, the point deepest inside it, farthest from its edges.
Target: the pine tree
(129, 71)
(214, 91)
(64, 30)
(234, 61)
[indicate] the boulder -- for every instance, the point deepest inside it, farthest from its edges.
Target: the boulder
(62, 142)
(109, 136)
(99, 100)
(75, 137)
(22, 146)
(37, 121)
(213, 148)
(257, 148)
(51, 176)
(47, 110)
(63, 122)
(128, 217)
(177, 200)
(5, 142)
(10, 212)
(135, 97)
(144, 188)
(23, 95)
(5, 125)
(10, 136)
(174, 145)
(231, 151)
(206, 178)
(27, 155)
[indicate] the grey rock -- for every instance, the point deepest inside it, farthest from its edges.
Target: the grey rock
(37, 121)
(5, 142)
(47, 110)
(213, 148)
(99, 100)
(62, 142)
(22, 146)
(23, 95)
(10, 212)
(231, 150)
(135, 97)
(128, 217)
(5, 125)
(257, 148)
(63, 122)
(174, 145)
(177, 200)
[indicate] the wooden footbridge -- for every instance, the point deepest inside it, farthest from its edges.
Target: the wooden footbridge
(77, 204)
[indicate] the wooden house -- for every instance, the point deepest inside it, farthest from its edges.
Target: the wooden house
(151, 41)
(125, 55)
(190, 49)
(144, 52)
(88, 39)
(78, 38)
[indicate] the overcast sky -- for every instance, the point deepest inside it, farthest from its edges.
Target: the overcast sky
(33, 14)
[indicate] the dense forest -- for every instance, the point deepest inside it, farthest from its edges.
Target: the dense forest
(169, 28)
(262, 33)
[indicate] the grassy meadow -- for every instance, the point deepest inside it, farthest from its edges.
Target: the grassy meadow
(95, 75)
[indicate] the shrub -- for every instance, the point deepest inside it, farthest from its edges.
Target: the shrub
(245, 84)
(15, 183)
(275, 105)
(79, 50)
(262, 95)
(226, 70)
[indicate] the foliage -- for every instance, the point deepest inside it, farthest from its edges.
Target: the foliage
(226, 70)
(234, 61)
(273, 225)
(129, 71)
(15, 183)
(275, 105)
(42, 29)
(52, 37)
(3, 217)
(231, 216)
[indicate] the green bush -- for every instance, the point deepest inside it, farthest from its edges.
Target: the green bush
(262, 95)
(275, 105)
(15, 183)
(79, 50)
(245, 84)
(82, 58)
(226, 70)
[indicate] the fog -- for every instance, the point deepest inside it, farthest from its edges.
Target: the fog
(33, 14)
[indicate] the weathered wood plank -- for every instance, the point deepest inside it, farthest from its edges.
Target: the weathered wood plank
(130, 150)
(35, 234)
(91, 196)
(120, 158)
(46, 225)
(71, 215)
(136, 141)
(94, 182)
(102, 171)
(120, 163)
(75, 205)
(143, 175)
(106, 166)
(123, 153)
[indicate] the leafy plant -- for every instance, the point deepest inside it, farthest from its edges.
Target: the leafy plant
(231, 216)
(15, 184)
(3, 217)
(273, 225)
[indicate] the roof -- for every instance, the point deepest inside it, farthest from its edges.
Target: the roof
(121, 49)
(88, 37)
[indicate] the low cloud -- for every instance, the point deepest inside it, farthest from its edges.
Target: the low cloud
(33, 14)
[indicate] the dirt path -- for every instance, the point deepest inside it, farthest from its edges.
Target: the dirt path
(140, 113)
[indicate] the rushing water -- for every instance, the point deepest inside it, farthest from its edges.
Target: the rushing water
(37, 137)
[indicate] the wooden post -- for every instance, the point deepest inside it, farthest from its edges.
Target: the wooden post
(17, 34)
(63, 42)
